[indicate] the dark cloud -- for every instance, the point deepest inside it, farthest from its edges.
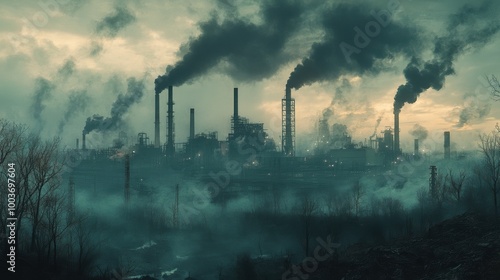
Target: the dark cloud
(111, 24)
(250, 52)
(469, 29)
(135, 91)
(77, 102)
(343, 50)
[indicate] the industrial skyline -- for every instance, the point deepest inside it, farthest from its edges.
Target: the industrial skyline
(78, 53)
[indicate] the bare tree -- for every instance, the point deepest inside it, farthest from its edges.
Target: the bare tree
(47, 167)
(456, 183)
(494, 86)
(357, 194)
(490, 147)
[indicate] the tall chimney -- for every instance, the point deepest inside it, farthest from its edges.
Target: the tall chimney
(446, 144)
(157, 120)
(396, 133)
(170, 122)
(416, 151)
(83, 141)
(235, 112)
(288, 129)
(191, 123)
(77, 143)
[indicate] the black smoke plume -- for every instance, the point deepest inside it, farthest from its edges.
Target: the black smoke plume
(469, 29)
(250, 52)
(43, 91)
(331, 57)
(77, 102)
(135, 91)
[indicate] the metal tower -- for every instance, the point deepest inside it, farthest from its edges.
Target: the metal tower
(288, 123)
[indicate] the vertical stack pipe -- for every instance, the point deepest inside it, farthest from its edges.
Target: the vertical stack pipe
(77, 143)
(170, 122)
(235, 112)
(83, 141)
(416, 151)
(191, 124)
(288, 145)
(396, 133)
(157, 120)
(446, 144)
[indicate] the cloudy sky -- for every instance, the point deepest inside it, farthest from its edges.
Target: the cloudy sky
(62, 61)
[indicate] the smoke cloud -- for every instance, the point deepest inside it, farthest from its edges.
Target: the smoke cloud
(250, 52)
(43, 91)
(111, 24)
(135, 91)
(67, 69)
(474, 108)
(344, 25)
(78, 101)
(469, 29)
(419, 132)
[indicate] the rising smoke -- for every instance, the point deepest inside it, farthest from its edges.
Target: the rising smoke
(473, 109)
(250, 52)
(419, 132)
(135, 91)
(469, 29)
(109, 26)
(67, 69)
(77, 102)
(43, 91)
(327, 60)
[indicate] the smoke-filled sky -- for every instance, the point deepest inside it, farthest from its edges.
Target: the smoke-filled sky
(62, 62)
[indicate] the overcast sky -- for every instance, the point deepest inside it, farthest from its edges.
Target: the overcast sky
(64, 61)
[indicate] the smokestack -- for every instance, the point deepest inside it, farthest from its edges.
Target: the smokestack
(157, 120)
(83, 141)
(191, 123)
(288, 129)
(416, 151)
(446, 144)
(235, 112)
(77, 143)
(396, 133)
(170, 122)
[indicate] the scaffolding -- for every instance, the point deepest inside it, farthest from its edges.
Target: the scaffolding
(288, 124)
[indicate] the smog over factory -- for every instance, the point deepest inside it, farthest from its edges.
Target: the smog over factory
(249, 139)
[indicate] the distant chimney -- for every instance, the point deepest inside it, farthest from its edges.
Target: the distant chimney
(77, 143)
(396, 133)
(83, 141)
(416, 151)
(235, 112)
(170, 122)
(157, 120)
(191, 123)
(447, 145)
(127, 179)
